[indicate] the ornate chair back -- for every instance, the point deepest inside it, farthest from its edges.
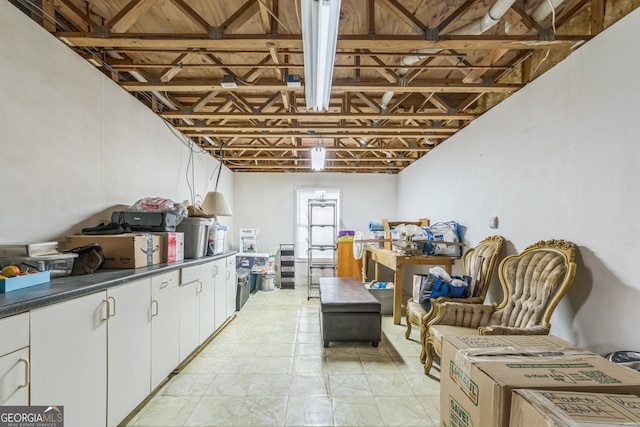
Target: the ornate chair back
(479, 263)
(533, 283)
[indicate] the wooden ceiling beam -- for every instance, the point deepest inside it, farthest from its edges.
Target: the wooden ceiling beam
(324, 117)
(249, 8)
(597, 16)
(176, 67)
(400, 13)
(339, 86)
(228, 147)
(203, 101)
(192, 15)
(129, 14)
(236, 42)
(443, 26)
(74, 15)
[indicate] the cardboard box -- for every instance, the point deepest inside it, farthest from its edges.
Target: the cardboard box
(545, 408)
(479, 373)
(123, 250)
(172, 248)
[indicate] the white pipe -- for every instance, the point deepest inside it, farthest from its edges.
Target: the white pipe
(489, 20)
(544, 9)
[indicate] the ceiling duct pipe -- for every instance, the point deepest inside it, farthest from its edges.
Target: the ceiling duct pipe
(490, 19)
(545, 8)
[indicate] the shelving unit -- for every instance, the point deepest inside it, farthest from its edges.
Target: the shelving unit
(323, 223)
(287, 266)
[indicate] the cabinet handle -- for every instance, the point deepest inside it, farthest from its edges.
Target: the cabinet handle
(27, 372)
(154, 303)
(214, 271)
(199, 287)
(228, 274)
(106, 301)
(114, 308)
(164, 284)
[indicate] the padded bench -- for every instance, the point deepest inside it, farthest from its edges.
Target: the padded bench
(349, 311)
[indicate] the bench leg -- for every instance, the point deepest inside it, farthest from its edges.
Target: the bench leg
(374, 343)
(326, 344)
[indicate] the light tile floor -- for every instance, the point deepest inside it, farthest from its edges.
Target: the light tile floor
(268, 367)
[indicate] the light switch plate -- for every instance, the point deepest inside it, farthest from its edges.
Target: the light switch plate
(493, 222)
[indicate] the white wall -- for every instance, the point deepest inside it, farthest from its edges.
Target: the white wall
(266, 201)
(74, 145)
(558, 159)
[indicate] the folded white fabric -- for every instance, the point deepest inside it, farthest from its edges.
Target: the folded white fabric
(440, 272)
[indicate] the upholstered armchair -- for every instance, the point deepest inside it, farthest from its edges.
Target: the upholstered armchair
(533, 283)
(478, 262)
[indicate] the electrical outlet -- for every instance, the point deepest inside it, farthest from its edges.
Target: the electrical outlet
(493, 222)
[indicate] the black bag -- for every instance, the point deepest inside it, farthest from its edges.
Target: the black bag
(426, 286)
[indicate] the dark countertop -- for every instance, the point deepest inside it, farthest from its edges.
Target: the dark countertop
(65, 288)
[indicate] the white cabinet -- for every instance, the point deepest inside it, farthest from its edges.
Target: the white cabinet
(206, 305)
(190, 288)
(14, 360)
(218, 270)
(231, 281)
(165, 325)
(69, 358)
(129, 348)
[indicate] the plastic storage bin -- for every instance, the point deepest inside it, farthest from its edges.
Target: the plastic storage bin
(385, 296)
(58, 265)
(196, 236)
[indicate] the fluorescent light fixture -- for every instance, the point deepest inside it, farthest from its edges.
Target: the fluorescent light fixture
(319, 38)
(228, 82)
(317, 158)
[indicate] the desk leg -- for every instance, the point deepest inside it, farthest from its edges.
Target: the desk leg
(365, 265)
(397, 296)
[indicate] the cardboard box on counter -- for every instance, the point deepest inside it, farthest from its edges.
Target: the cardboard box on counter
(546, 408)
(479, 373)
(172, 246)
(123, 250)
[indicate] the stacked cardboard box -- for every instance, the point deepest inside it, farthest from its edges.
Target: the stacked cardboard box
(540, 408)
(123, 250)
(479, 374)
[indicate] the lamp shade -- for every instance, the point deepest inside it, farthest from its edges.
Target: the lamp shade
(215, 203)
(319, 38)
(318, 155)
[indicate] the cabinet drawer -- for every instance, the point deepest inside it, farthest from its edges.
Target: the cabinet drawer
(164, 281)
(14, 331)
(190, 274)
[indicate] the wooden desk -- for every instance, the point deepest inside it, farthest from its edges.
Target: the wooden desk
(396, 262)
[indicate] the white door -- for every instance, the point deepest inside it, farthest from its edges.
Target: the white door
(165, 334)
(232, 284)
(219, 283)
(129, 346)
(69, 359)
(206, 301)
(14, 360)
(14, 378)
(189, 318)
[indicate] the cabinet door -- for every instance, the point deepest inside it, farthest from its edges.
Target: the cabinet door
(220, 290)
(232, 284)
(206, 302)
(189, 318)
(14, 378)
(165, 334)
(129, 348)
(69, 359)
(14, 360)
